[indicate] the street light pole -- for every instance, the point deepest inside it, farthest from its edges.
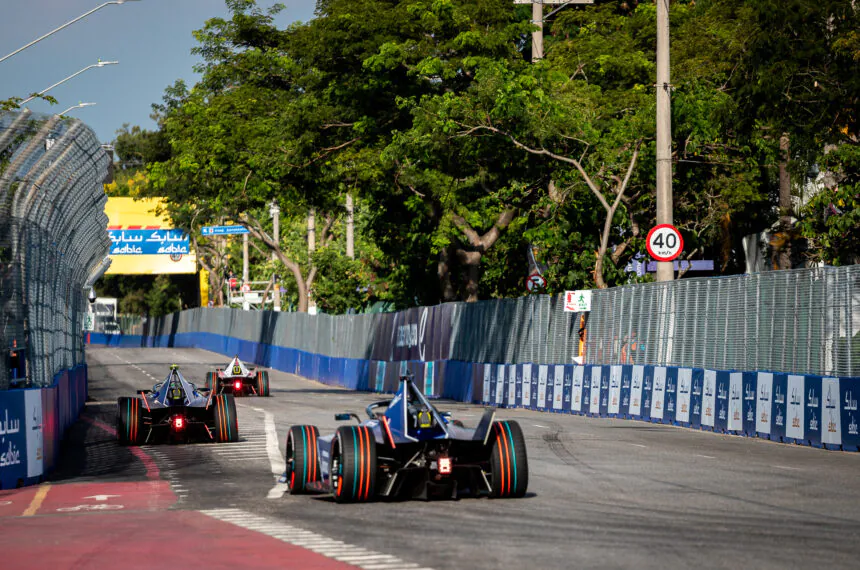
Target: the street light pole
(275, 211)
(69, 23)
(43, 91)
(665, 269)
(78, 106)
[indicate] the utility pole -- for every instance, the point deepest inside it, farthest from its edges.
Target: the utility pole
(665, 269)
(275, 211)
(537, 35)
(312, 246)
(538, 19)
(245, 272)
(350, 228)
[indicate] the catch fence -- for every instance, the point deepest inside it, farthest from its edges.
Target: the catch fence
(53, 242)
(802, 321)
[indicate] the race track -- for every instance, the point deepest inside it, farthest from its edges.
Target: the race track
(603, 493)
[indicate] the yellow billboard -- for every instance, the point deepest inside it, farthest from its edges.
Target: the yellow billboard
(144, 243)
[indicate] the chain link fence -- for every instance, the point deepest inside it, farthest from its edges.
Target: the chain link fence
(53, 242)
(802, 321)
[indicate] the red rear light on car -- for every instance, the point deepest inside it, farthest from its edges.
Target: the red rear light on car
(237, 385)
(445, 465)
(178, 422)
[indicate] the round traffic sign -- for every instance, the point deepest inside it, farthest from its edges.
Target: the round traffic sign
(535, 282)
(664, 242)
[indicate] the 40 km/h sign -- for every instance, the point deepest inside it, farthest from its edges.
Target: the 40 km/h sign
(664, 242)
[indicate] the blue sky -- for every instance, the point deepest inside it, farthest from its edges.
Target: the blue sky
(151, 39)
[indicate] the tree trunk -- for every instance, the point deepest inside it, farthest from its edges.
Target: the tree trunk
(443, 271)
(470, 253)
(784, 202)
(471, 261)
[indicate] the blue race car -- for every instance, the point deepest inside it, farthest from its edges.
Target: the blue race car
(408, 449)
(175, 411)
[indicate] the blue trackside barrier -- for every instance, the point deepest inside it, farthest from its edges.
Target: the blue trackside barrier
(32, 424)
(791, 408)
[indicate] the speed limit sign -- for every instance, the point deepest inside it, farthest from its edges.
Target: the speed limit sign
(664, 242)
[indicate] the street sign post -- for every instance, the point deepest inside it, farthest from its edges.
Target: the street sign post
(664, 242)
(535, 282)
(223, 230)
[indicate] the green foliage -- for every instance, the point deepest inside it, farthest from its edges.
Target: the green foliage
(831, 220)
(462, 154)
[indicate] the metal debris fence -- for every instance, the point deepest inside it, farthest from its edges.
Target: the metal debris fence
(802, 321)
(53, 242)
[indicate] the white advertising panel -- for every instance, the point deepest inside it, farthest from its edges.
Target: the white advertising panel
(658, 395)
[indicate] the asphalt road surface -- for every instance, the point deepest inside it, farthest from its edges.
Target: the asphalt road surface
(603, 493)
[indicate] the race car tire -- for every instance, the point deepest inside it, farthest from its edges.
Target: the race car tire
(262, 382)
(226, 422)
(302, 456)
(212, 381)
(509, 466)
(353, 465)
(129, 423)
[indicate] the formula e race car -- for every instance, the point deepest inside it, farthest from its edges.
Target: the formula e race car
(408, 449)
(238, 379)
(175, 411)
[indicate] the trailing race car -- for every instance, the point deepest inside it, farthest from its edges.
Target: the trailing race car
(238, 379)
(407, 448)
(175, 411)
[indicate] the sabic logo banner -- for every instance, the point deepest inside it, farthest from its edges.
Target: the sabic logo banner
(614, 389)
(831, 421)
(542, 382)
(685, 384)
(736, 404)
(763, 407)
(13, 438)
(596, 373)
(35, 434)
(578, 378)
(658, 394)
(636, 390)
(794, 412)
(527, 385)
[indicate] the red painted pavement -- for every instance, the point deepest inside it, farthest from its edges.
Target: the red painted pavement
(14, 502)
(169, 539)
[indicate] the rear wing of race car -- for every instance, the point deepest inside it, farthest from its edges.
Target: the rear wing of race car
(482, 432)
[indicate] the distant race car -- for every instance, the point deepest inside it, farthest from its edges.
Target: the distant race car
(407, 448)
(175, 411)
(238, 379)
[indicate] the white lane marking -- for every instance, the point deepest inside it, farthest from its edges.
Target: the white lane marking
(706, 456)
(540, 426)
(787, 468)
(278, 463)
(336, 550)
(638, 445)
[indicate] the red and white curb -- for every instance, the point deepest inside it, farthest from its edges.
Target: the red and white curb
(335, 549)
